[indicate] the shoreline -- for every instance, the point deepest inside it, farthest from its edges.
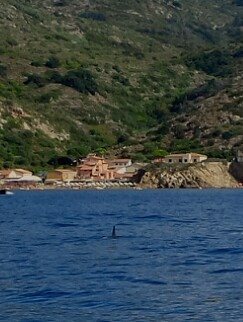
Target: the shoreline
(70, 186)
(134, 187)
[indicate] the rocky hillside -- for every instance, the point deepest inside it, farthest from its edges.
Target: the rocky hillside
(100, 75)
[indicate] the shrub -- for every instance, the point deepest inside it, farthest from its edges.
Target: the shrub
(60, 3)
(121, 79)
(3, 70)
(35, 79)
(179, 131)
(122, 138)
(48, 97)
(216, 62)
(220, 154)
(159, 153)
(54, 76)
(82, 80)
(98, 16)
(185, 145)
(177, 4)
(216, 133)
(36, 63)
(12, 42)
(53, 62)
(227, 135)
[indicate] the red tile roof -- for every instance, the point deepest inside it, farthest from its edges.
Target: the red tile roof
(120, 160)
(85, 168)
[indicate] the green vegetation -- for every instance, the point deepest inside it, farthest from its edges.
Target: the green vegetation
(81, 80)
(75, 79)
(215, 62)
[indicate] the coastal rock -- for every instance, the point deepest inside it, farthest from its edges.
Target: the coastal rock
(200, 175)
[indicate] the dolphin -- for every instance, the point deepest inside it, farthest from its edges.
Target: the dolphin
(113, 235)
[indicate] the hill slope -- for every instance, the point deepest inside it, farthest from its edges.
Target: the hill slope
(80, 76)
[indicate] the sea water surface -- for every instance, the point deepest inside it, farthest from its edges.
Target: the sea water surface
(179, 256)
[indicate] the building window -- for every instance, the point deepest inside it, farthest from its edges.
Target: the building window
(170, 160)
(195, 160)
(185, 160)
(180, 160)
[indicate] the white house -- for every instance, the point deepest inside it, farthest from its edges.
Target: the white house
(184, 158)
(120, 162)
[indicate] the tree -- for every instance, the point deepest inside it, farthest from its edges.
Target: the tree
(159, 153)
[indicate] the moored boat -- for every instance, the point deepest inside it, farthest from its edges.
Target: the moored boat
(5, 192)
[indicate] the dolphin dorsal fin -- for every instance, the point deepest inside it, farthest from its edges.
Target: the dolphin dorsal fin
(113, 232)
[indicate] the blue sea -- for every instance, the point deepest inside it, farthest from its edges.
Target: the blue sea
(178, 257)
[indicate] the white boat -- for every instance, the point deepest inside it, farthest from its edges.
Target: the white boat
(6, 192)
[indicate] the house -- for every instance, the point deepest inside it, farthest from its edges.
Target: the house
(64, 175)
(239, 156)
(120, 162)
(119, 172)
(23, 172)
(119, 167)
(19, 177)
(126, 173)
(9, 174)
(184, 158)
(158, 160)
(130, 172)
(95, 168)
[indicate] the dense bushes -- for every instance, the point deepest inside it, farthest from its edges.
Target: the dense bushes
(20, 147)
(98, 16)
(81, 80)
(180, 102)
(185, 145)
(35, 79)
(216, 62)
(221, 154)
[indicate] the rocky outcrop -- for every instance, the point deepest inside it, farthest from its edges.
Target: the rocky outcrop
(201, 175)
(236, 170)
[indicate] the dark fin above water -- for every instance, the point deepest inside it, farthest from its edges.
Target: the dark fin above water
(113, 235)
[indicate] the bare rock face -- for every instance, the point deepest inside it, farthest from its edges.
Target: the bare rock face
(150, 180)
(201, 175)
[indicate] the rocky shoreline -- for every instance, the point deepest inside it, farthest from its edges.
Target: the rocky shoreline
(200, 175)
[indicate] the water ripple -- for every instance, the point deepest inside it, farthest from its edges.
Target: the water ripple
(179, 256)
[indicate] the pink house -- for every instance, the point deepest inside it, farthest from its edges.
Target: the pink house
(95, 168)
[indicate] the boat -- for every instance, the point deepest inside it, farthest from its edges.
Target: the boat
(5, 192)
